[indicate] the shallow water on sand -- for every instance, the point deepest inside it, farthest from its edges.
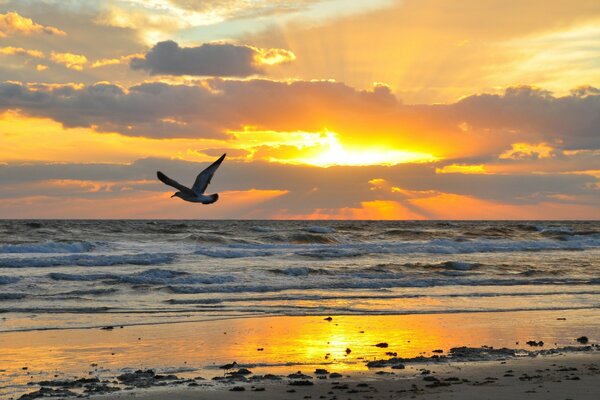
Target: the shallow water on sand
(66, 274)
(279, 345)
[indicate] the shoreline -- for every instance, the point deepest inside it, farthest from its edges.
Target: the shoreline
(345, 345)
(548, 376)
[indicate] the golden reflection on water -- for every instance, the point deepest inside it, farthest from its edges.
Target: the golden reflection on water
(304, 340)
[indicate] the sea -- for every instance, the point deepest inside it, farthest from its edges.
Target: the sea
(71, 274)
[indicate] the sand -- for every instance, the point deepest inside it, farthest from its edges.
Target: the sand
(181, 361)
(570, 376)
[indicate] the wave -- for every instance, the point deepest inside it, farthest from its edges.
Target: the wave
(163, 277)
(206, 238)
(6, 280)
(12, 296)
(47, 247)
(261, 229)
(324, 247)
(320, 229)
(88, 292)
(325, 297)
(232, 253)
(148, 277)
(310, 238)
(372, 282)
(88, 260)
(299, 271)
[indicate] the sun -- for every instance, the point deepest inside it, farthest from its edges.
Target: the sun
(336, 153)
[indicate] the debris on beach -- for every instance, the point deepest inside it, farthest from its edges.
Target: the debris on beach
(48, 392)
(241, 372)
(533, 343)
(582, 340)
(301, 383)
(145, 378)
(299, 375)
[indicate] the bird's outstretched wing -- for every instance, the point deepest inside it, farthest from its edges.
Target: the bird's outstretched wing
(204, 177)
(171, 182)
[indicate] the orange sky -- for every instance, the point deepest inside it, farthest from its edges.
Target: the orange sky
(428, 109)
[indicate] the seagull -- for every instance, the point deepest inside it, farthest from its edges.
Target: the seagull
(196, 193)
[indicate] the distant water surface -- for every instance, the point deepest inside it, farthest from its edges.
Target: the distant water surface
(69, 274)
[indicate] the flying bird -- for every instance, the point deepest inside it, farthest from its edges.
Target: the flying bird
(196, 193)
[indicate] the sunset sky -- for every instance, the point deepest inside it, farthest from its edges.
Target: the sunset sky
(380, 109)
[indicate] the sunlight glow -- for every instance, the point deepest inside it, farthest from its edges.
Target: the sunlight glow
(335, 153)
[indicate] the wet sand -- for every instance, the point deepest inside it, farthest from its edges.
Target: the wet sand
(184, 359)
(566, 376)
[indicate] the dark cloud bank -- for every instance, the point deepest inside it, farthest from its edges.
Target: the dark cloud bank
(209, 59)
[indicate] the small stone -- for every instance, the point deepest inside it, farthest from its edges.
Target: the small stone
(582, 340)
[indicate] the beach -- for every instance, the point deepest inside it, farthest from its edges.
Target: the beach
(189, 309)
(458, 354)
(561, 377)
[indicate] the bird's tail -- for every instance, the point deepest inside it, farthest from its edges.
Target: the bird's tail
(212, 199)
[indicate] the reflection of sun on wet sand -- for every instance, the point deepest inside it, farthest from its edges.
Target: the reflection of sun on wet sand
(346, 345)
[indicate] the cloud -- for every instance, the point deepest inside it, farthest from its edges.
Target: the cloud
(233, 9)
(12, 23)
(115, 61)
(209, 59)
(557, 49)
(69, 60)
(18, 51)
(409, 191)
(521, 151)
(483, 125)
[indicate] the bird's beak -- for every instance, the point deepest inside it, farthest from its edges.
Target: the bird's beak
(172, 196)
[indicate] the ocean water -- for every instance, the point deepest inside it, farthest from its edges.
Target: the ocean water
(77, 274)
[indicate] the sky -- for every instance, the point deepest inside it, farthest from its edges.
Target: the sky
(327, 109)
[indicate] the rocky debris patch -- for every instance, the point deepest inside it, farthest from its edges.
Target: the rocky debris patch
(533, 343)
(484, 353)
(101, 388)
(48, 392)
(241, 371)
(301, 383)
(67, 383)
(266, 377)
(299, 375)
(145, 378)
(582, 340)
